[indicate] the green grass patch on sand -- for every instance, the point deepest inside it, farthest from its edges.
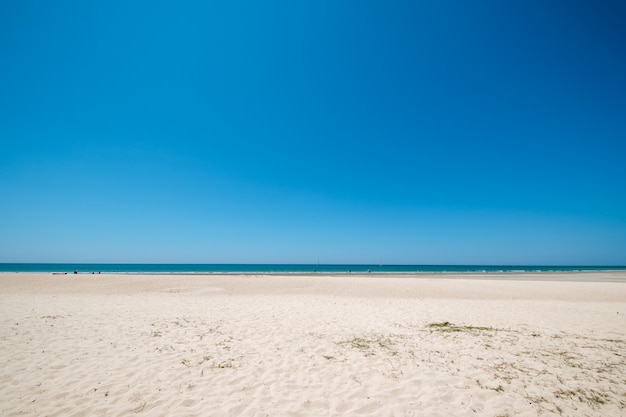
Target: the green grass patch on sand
(446, 326)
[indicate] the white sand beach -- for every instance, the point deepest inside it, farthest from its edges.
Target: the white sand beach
(315, 345)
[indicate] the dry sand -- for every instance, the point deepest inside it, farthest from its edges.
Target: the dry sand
(123, 345)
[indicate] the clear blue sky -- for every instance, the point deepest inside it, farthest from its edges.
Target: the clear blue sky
(435, 132)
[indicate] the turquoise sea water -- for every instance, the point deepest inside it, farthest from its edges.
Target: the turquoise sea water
(288, 268)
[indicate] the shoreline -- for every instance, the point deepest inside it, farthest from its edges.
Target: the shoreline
(289, 269)
(573, 276)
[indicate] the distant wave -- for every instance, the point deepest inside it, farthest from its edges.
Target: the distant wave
(292, 268)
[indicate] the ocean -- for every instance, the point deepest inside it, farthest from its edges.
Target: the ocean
(290, 268)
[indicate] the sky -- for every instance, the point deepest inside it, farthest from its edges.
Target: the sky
(394, 132)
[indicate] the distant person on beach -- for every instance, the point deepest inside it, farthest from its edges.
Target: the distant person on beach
(76, 271)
